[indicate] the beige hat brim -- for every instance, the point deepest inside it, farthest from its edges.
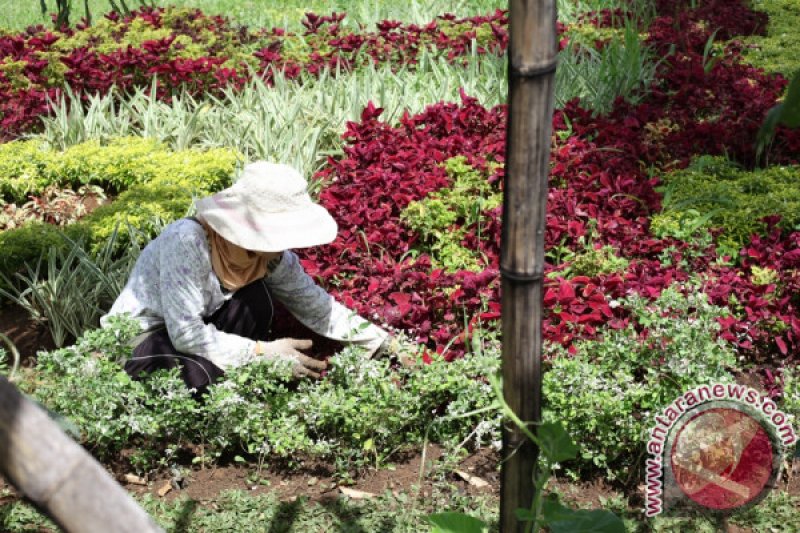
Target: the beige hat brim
(228, 216)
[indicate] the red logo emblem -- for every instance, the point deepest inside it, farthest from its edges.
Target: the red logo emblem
(722, 458)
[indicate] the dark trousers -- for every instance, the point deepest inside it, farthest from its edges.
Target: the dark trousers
(248, 314)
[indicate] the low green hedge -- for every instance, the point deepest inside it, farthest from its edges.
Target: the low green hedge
(160, 186)
(721, 194)
(777, 51)
(27, 167)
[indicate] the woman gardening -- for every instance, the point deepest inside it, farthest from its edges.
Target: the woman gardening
(203, 290)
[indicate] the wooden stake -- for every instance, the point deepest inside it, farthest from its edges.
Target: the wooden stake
(58, 475)
(532, 53)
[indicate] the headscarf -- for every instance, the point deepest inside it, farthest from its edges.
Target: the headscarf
(234, 266)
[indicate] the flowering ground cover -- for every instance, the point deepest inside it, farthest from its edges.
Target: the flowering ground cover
(673, 251)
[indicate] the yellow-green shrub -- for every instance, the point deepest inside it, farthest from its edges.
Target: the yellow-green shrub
(162, 185)
(21, 165)
(732, 198)
(118, 164)
(27, 167)
(443, 218)
(777, 51)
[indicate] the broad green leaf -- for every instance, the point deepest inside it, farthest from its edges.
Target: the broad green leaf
(790, 113)
(525, 515)
(455, 523)
(585, 521)
(552, 510)
(556, 444)
(561, 519)
(786, 113)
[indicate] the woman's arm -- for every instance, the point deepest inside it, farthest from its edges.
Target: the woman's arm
(318, 310)
(184, 268)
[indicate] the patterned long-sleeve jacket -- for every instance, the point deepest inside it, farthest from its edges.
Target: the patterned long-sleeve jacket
(174, 285)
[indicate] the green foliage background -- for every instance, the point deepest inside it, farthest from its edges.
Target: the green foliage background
(777, 51)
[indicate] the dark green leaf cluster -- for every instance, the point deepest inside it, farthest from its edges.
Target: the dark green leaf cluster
(738, 198)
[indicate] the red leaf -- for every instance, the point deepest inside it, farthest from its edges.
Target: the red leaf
(781, 345)
(565, 292)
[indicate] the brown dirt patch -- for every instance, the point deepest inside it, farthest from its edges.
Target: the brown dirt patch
(316, 480)
(28, 336)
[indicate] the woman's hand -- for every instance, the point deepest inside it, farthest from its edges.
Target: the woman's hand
(289, 350)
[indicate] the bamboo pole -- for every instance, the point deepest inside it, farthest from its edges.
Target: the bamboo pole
(532, 56)
(59, 476)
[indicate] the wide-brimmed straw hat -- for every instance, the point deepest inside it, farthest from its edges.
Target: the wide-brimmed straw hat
(268, 209)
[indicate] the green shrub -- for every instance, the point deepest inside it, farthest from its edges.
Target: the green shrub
(443, 218)
(166, 198)
(120, 163)
(359, 414)
(590, 261)
(608, 394)
(160, 187)
(732, 198)
(791, 394)
(777, 52)
(21, 169)
(596, 261)
(27, 167)
(362, 410)
(27, 243)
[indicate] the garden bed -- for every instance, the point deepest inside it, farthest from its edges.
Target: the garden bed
(672, 247)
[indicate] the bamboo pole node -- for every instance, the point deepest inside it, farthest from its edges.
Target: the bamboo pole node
(520, 277)
(533, 70)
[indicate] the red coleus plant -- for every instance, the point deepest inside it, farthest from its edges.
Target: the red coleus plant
(599, 189)
(35, 63)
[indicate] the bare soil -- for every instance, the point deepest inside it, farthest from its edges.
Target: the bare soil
(317, 481)
(28, 336)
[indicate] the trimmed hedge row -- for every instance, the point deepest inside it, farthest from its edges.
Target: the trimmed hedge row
(776, 52)
(158, 185)
(28, 167)
(731, 198)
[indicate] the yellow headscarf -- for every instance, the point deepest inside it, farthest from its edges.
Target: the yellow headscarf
(234, 266)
